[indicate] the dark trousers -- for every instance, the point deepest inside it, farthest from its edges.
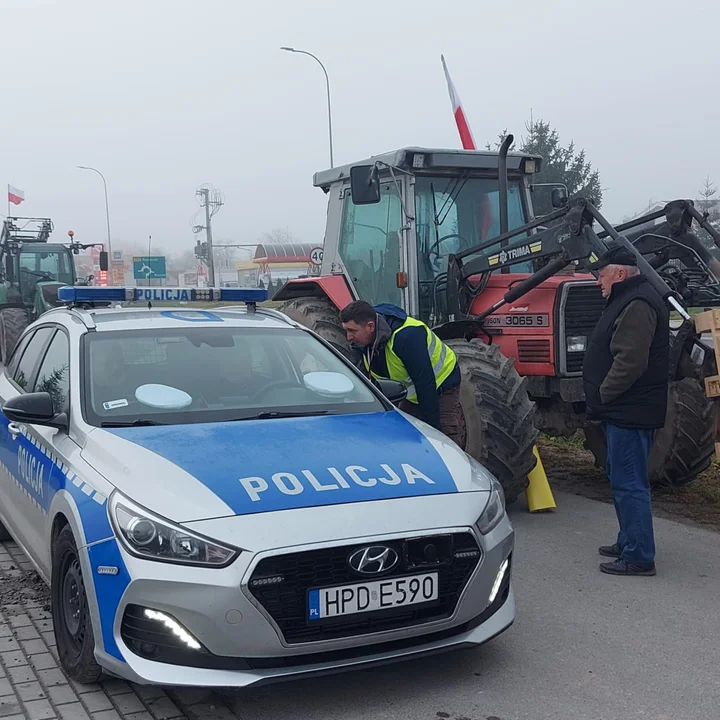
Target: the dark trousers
(452, 419)
(627, 467)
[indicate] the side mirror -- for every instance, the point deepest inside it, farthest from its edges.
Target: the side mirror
(393, 390)
(559, 197)
(104, 264)
(34, 409)
(364, 185)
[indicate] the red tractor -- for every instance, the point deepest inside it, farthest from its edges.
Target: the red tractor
(450, 236)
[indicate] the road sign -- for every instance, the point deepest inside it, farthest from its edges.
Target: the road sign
(117, 258)
(151, 267)
(118, 275)
(316, 256)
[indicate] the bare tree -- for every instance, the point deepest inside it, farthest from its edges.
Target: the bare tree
(708, 203)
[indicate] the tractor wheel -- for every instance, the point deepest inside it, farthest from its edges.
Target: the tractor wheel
(683, 448)
(12, 323)
(322, 317)
(499, 415)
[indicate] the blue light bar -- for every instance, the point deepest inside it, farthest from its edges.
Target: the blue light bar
(90, 294)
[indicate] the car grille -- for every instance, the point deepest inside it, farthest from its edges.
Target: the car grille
(584, 304)
(534, 351)
(281, 583)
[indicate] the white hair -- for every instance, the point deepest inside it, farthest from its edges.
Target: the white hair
(630, 270)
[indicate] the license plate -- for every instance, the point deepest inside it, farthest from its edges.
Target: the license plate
(373, 595)
(522, 320)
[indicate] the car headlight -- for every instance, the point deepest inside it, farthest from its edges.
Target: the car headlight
(494, 511)
(576, 343)
(148, 536)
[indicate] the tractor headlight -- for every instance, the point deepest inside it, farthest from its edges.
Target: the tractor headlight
(494, 511)
(148, 536)
(576, 343)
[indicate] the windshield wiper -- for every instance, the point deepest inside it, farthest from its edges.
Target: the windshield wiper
(272, 414)
(134, 423)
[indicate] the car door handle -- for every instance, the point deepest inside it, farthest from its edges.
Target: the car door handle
(15, 430)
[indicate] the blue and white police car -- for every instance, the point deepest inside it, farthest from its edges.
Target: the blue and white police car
(219, 498)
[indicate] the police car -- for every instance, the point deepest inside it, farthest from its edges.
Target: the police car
(218, 498)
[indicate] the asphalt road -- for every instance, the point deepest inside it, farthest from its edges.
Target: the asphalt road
(585, 645)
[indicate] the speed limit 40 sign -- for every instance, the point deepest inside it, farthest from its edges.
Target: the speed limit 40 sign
(316, 256)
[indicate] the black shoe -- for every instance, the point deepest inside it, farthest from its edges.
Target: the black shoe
(620, 567)
(613, 551)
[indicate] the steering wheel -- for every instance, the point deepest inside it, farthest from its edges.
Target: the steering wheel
(436, 244)
(42, 274)
(275, 384)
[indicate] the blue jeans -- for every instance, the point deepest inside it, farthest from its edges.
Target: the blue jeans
(627, 467)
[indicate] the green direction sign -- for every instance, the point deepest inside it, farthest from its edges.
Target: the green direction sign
(151, 267)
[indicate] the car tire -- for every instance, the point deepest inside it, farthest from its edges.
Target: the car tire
(12, 323)
(70, 612)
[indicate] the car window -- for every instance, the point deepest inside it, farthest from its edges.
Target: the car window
(28, 362)
(54, 374)
(17, 354)
(211, 374)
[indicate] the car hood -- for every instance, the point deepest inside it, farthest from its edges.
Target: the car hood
(196, 472)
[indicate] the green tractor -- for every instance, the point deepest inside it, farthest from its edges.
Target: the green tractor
(31, 272)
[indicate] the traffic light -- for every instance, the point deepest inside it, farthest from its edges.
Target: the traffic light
(201, 250)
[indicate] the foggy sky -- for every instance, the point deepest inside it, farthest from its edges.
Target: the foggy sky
(164, 95)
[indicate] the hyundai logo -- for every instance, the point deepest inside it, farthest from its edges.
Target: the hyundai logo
(373, 560)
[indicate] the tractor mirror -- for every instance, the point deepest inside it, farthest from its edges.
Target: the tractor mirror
(104, 264)
(559, 197)
(364, 185)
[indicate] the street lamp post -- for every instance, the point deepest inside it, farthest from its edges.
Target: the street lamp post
(327, 84)
(107, 216)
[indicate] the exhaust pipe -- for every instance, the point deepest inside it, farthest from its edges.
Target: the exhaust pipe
(503, 183)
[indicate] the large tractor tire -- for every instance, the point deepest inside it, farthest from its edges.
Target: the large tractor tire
(12, 323)
(498, 413)
(683, 448)
(322, 317)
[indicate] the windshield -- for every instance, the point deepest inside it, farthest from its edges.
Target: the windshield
(43, 265)
(207, 374)
(455, 214)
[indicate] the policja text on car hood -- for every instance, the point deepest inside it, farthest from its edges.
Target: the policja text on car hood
(195, 472)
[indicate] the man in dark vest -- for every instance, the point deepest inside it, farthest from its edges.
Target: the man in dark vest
(625, 375)
(395, 346)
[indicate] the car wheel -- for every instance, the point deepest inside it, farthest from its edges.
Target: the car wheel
(70, 612)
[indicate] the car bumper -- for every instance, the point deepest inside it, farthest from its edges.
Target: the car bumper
(242, 645)
(146, 672)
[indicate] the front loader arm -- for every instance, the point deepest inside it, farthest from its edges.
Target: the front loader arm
(571, 240)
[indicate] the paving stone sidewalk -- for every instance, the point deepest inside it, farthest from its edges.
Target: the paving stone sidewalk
(32, 685)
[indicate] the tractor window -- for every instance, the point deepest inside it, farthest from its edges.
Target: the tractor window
(370, 247)
(454, 214)
(44, 265)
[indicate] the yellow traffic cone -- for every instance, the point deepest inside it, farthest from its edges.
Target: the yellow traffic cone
(538, 493)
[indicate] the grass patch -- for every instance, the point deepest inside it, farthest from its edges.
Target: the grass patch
(571, 468)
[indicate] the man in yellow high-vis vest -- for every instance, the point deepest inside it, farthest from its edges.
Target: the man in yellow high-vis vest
(395, 346)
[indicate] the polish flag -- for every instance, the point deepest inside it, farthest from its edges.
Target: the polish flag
(15, 196)
(468, 142)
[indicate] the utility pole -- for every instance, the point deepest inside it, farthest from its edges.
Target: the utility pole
(212, 204)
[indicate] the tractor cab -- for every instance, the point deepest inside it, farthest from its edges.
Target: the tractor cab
(32, 270)
(39, 271)
(395, 219)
